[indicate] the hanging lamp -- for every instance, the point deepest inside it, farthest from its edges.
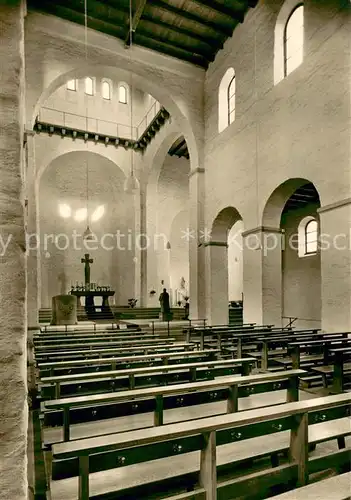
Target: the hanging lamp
(131, 184)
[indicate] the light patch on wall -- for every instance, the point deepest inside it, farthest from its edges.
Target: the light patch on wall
(98, 213)
(65, 210)
(80, 215)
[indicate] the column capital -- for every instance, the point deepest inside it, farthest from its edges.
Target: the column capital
(215, 244)
(198, 170)
(262, 229)
(333, 206)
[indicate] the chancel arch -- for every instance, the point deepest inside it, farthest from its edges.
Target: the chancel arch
(89, 183)
(227, 224)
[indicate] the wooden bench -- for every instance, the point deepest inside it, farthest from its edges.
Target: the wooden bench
(341, 368)
(163, 374)
(90, 340)
(157, 399)
(98, 345)
(288, 343)
(112, 351)
(334, 488)
(56, 368)
(221, 440)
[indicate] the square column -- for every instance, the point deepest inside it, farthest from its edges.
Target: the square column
(196, 250)
(217, 305)
(335, 247)
(13, 325)
(262, 286)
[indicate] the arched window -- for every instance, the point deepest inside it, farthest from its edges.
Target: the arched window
(72, 85)
(308, 236)
(231, 101)
(226, 100)
(89, 86)
(106, 90)
(288, 39)
(311, 237)
(123, 94)
(293, 40)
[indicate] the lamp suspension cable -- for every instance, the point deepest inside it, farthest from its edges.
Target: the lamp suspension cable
(131, 184)
(87, 235)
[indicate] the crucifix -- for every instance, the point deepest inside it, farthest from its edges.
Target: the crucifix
(87, 263)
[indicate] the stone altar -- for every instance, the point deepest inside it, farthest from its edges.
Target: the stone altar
(64, 310)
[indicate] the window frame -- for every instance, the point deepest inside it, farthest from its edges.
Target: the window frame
(75, 85)
(92, 86)
(229, 98)
(285, 59)
(106, 82)
(309, 252)
(124, 86)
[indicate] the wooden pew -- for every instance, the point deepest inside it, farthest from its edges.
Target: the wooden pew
(119, 379)
(97, 345)
(95, 327)
(291, 426)
(132, 361)
(341, 367)
(79, 334)
(157, 399)
(92, 340)
(112, 351)
(334, 488)
(289, 343)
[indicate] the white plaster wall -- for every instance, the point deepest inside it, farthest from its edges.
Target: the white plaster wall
(105, 115)
(298, 128)
(172, 221)
(64, 181)
(301, 275)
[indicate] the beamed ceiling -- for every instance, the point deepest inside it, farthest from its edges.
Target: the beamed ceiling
(191, 30)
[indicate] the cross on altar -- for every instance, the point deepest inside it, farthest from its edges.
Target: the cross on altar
(87, 261)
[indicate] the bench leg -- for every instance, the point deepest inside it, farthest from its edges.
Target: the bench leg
(83, 486)
(208, 473)
(341, 442)
(158, 415)
(275, 460)
(232, 403)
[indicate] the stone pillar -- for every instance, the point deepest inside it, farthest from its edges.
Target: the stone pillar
(196, 249)
(13, 393)
(143, 250)
(33, 243)
(335, 243)
(263, 301)
(216, 258)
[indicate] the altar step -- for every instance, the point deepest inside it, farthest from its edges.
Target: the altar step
(119, 313)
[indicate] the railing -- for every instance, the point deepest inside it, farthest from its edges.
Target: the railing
(146, 121)
(293, 319)
(97, 125)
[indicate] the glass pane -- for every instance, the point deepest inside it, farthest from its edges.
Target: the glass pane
(231, 89)
(311, 237)
(72, 85)
(294, 40)
(123, 94)
(232, 104)
(231, 116)
(89, 86)
(106, 91)
(311, 247)
(311, 227)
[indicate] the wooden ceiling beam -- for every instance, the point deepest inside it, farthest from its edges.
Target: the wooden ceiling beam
(221, 30)
(177, 44)
(173, 50)
(135, 21)
(217, 44)
(236, 13)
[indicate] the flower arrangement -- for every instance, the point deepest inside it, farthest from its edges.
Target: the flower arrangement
(132, 302)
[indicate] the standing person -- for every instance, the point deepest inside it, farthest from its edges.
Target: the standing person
(164, 303)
